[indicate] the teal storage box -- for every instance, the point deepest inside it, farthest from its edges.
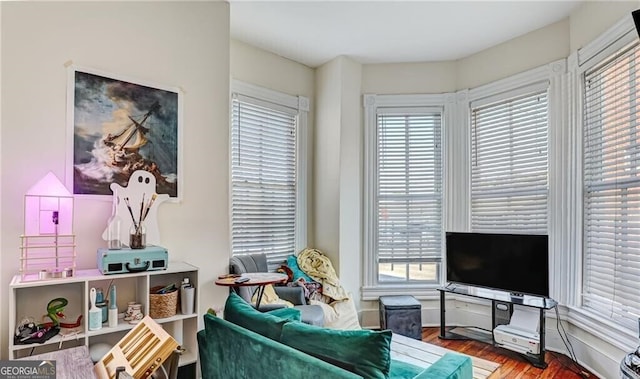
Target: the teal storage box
(132, 260)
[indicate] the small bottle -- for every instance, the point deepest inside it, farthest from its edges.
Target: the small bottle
(114, 225)
(138, 236)
(99, 295)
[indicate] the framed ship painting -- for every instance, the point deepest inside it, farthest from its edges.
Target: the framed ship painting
(118, 126)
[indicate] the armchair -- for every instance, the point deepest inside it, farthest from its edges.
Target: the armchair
(240, 264)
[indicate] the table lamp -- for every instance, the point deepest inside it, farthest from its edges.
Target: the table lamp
(48, 243)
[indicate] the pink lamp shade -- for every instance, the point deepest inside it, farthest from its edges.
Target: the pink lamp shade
(48, 203)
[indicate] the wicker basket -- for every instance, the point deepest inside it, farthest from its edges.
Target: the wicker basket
(162, 305)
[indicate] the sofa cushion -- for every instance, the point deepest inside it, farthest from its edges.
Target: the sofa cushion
(403, 370)
(230, 351)
(363, 352)
(241, 313)
(291, 314)
(449, 366)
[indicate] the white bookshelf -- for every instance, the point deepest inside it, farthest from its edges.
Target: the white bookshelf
(29, 298)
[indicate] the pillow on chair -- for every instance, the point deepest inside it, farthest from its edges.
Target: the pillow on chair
(270, 297)
(292, 262)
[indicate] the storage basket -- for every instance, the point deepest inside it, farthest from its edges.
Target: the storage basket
(162, 305)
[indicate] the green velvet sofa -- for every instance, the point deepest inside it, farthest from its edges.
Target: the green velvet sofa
(252, 344)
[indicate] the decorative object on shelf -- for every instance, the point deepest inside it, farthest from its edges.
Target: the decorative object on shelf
(138, 209)
(132, 260)
(48, 242)
(136, 314)
(138, 236)
(129, 311)
(163, 301)
(187, 297)
(28, 332)
(114, 225)
(117, 126)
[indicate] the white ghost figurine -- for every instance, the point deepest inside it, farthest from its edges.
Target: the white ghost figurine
(140, 192)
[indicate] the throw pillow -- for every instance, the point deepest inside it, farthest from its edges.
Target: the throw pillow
(363, 352)
(292, 262)
(270, 297)
(241, 313)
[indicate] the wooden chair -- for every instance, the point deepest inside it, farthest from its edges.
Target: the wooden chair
(141, 352)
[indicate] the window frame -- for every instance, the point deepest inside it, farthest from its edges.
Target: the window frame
(523, 89)
(592, 54)
(301, 105)
(372, 288)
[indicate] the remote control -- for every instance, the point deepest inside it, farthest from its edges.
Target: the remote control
(241, 280)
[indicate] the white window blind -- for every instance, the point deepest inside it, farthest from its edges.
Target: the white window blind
(509, 158)
(612, 187)
(409, 193)
(263, 179)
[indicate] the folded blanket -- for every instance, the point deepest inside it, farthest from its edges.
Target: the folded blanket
(315, 264)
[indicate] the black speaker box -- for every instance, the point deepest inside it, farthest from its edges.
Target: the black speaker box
(502, 313)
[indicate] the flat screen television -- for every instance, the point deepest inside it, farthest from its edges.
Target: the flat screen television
(517, 263)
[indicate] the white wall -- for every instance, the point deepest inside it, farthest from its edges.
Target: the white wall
(181, 44)
(326, 137)
(349, 266)
(594, 17)
(259, 67)
(408, 78)
(517, 55)
(338, 169)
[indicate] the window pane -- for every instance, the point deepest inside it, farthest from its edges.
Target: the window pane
(409, 195)
(263, 179)
(612, 188)
(403, 271)
(509, 165)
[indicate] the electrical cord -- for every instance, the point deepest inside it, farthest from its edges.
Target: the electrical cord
(567, 344)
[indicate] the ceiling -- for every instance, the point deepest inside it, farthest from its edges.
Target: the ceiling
(315, 32)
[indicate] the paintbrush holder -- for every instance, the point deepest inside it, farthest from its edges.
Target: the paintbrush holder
(138, 236)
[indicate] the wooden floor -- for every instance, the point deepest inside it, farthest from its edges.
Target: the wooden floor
(423, 354)
(513, 365)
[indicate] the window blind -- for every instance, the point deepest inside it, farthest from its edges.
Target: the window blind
(509, 166)
(612, 187)
(409, 193)
(263, 179)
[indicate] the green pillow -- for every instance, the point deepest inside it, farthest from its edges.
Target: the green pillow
(241, 313)
(291, 314)
(363, 352)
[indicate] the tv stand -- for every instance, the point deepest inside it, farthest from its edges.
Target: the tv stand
(501, 310)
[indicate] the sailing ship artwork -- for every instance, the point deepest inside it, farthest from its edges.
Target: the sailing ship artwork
(120, 127)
